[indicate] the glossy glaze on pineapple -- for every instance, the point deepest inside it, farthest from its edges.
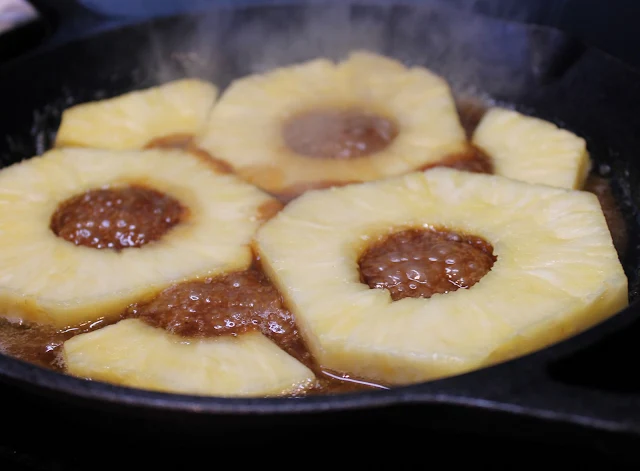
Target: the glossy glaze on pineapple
(249, 301)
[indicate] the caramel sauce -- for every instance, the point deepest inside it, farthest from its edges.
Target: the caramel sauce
(218, 165)
(338, 134)
(269, 209)
(600, 187)
(471, 160)
(40, 344)
(292, 192)
(117, 218)
(172, 141)
(233, 304)
(186, 143)
(411, 263)
(470, 111)
(227, 305)
(418, 263)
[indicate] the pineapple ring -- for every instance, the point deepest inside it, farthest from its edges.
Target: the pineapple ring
(171, 113)
(247, 126)
(47, 279)
(132, 353)
(532, 150)
(556, 273)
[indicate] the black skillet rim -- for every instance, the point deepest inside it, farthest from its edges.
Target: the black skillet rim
(442, 391)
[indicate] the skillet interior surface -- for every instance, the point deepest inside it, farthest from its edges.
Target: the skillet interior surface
(538, 70)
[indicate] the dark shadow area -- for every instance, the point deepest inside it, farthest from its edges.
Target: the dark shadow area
(39, 435)
(22, 38)
(605, 366)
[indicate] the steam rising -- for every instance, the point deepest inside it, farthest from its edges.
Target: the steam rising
(477, 54)
(481, 56)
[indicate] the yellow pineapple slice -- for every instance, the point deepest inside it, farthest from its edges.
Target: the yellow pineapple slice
(318, 123)
(132, 353)
(532, 150)
(556, 273)
(131, 121)
(49, 279)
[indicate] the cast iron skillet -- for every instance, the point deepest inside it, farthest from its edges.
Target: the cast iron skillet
(573, 390)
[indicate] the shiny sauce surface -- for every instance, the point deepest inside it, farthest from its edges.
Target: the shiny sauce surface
(233, 304)
(230, 304)
(237, 302)
(117, 218)
(418, 263)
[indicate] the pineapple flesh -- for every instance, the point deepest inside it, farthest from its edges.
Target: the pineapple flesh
(411, 109)
(533, 150)
(47, 279)
(133, 120)
(132, 353)
(556, 273)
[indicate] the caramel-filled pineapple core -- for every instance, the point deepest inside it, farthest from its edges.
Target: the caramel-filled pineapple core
(418, 263)
(65, 281)
(116, 218)
(555, 271)
(338, 134)
(321, 123)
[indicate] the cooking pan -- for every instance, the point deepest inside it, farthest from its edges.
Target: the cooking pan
(581, 391)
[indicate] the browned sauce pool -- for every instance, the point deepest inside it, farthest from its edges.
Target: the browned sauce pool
(470, 110)
(227, 305)
(232, 304)
(471, 160)
(186, 143)
(39, 344)
(246, 300)
(338, 134)
(600, 187)
(117, 218)
(418, 263)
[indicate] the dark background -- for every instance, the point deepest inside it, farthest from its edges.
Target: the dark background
(611, 25)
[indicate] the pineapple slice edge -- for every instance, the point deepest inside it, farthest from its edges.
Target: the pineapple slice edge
(340, 332)
(452, 359)
(131, 120)
(533, 150)
(74, 284)
(132, 353)
(257, 106)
